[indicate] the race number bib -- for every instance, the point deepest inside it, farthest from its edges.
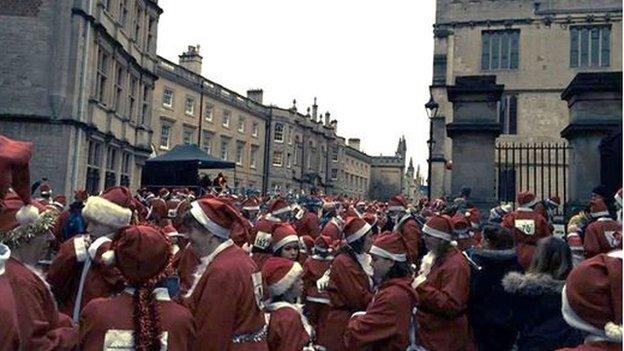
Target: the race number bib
(526, 226)
(256, 279)
(613, 238)
(263, 240)
(123, 340)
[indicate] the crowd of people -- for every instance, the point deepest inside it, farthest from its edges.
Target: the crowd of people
(174, 270)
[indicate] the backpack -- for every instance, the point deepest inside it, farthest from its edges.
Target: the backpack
(74, 224)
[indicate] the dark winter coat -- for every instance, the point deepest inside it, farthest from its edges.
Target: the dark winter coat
(536, 303)
(490, 306)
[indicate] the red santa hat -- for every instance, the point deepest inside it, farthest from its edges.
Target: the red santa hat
(389, 245)
(217, 216)
(45, 189)
(171, 232)
(461, 226)
(526, 199)
(370, 218)
(59, 202)
(328, 203)
(163, 192)
(355, 228)
(251, 204)
(80, 195)
(280, 274)
(112, 208)
(360, 203)
(440, 227)
(278, 206)
(592, 297)
(14, 171)
(306, 243)
(553, 201)
(322, 243)
(283, 234)
(158, 207)
(597, 208)
(474, 216)
(397, 203)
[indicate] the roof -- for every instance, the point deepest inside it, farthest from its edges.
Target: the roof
(191, 153)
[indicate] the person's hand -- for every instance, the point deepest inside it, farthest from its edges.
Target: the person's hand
(421, 278)
(323, 281)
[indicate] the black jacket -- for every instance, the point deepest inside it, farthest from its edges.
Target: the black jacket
(536, 303)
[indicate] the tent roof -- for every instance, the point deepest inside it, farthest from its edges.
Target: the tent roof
(191, 153)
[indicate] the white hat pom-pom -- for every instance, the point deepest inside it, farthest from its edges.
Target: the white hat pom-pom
(454, 243)
(613, 331)
(108, 257)
(27, 214)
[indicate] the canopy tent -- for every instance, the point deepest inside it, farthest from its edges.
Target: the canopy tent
(179, 167)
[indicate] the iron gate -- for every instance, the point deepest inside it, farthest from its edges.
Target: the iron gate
(541, 168)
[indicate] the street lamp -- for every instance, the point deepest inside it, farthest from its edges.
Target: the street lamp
(432, 111)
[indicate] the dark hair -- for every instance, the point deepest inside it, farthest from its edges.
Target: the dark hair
(358, 245)
(499, 238)
(278, 252)
(552, 256)
(399, 270)
(189, 221)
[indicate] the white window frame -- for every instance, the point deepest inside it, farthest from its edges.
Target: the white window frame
(190, 112)
(254, 129)
(280, 159)
(224, 150)
(241, 124)
(240, 150)
(209, 116)
(253, 157)
(162, 127)
(281, 133)
(226, 118)
(164, 103)
(207, 142)
(189, 132)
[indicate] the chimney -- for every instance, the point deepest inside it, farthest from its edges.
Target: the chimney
(255, 95)
(354, 143)
(327, 119)
(315, 111)
(191, 59)
(334, 125)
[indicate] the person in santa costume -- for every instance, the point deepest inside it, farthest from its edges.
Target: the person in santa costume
(404, 223)
(334, 226)
(45, 192)
(285, 242)
(592, 302)
(350, 284)
(602, 235)
(80, 272)
(388, 322)
(143, 317)
(226, 297)
(26, 230)
(306, 244)
(9, 327)
(618, 205)
(463, 231)
(317, 302)
(289, 329)
(310, 224)
(528, 227)
(442, 285)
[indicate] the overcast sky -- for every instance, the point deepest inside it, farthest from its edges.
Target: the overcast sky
(368, 62)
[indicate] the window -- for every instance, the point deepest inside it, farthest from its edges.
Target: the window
(123, 12)
(278, 158)
(145, 107)
(500, 49)
(111, 164)
(167, 99)
(150, 35)
(226, 118)
(290, 135)
(279, 133)
(132, 97)
(207, 142)
(253, 157)
(165, 131)
(239, 153)
(187, 136)
(101, 76)
(208, 112)
(334, 173)
(254, 129)
(508, 113)
(590, 46)
(94, 159)
(138, 17)
(224, 148)
(288, 164)
(296, 156)
(108, 4)
(124, 178)
(241, 124)
(335, 154)
(119, 81)
(189, 106)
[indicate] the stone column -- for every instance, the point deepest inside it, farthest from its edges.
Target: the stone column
(438, 161)
(474, 130)
(595, 103)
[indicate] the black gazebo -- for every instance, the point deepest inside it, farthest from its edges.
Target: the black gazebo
(180, 167)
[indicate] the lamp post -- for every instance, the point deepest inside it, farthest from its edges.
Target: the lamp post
(432, 111)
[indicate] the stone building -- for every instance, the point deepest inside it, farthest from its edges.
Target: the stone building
(190, 109)
(387, 173)
(534, 49)
(356, 172)
(412, 183)
(77, 80)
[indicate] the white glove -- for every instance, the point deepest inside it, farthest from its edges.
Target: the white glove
(418, 280)
(321, 284)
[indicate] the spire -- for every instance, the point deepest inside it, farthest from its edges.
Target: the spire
(411, 164)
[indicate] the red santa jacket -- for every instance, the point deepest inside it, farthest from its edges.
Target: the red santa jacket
(102, 280)
(349, 291)
(332, 230)
(387, 322)
(226, 302)
(242, 233)
(442, 304)
(528, 227)
(309, 225)
(9, 328)
(108, 323)
(410, 232)
(602, 236)
(289, 330)
(41, 326)
(595, 346)
(316, 303)
(184, 263)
